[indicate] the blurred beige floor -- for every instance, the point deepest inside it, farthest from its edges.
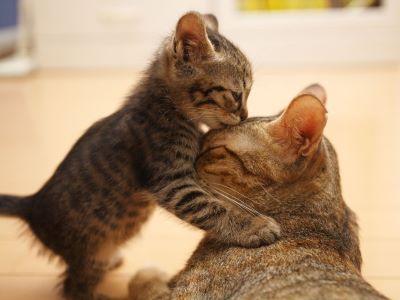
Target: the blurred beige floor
(42, 115)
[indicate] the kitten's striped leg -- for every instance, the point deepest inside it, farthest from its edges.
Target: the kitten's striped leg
(184, 197)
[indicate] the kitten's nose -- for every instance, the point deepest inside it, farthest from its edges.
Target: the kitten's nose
(244, 114)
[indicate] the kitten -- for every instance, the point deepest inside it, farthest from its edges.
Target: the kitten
(143, 154)
(281, 167)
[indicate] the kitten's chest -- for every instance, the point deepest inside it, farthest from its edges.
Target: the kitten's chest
(170, 140)
(178, 144)
(175, 137)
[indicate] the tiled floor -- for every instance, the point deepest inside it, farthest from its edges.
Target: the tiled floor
(42, 115)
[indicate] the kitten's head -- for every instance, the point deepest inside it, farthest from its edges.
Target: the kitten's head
(211, 76)
(283, 167)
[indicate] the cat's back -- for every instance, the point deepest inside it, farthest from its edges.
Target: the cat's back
(111, 133)
(291, 271)
(284, 270)
(98, 157)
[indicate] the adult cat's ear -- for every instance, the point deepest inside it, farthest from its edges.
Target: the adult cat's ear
(317, 90)
(301, 125)
(191, 41)
(211, 22)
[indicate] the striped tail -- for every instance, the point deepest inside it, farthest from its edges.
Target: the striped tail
(13, 206)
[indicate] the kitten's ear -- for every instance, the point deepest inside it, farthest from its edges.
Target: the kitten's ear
(191, 40)
(317, 90)
(211, 22)
(301, 125)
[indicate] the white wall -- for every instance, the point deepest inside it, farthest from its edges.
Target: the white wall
(103, 33)
(125, 33)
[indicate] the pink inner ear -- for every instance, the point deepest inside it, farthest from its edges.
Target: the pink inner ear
(192, 38)
(309, 127)
(190, 27)
(307, 116)
(301, 125)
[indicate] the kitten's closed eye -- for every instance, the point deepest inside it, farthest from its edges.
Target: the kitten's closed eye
(218, 106)
(237, 96)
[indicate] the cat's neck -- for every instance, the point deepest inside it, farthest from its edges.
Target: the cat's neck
(314, 208)
(320, 215)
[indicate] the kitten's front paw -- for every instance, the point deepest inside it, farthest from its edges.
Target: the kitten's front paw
(148, 281)
(261, 231)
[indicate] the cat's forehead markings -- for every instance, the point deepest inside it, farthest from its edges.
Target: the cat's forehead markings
(247, 142)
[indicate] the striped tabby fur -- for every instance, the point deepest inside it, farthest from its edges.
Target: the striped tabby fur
(281, 167)
(142, 155)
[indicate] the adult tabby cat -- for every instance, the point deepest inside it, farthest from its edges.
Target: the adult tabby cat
(281, 167)
(142, 154)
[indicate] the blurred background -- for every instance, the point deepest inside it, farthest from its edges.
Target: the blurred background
(66, 63)
(110, 33)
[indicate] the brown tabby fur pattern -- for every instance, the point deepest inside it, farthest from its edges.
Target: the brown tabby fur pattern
(282, 167)
(144, 154)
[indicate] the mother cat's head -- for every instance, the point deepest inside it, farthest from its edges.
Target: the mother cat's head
(285, 168)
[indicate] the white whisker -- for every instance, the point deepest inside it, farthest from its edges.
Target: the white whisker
(221, 193)
(239, 202)
(233, 190)
(244, 196)
(268, 193)
(234, 201)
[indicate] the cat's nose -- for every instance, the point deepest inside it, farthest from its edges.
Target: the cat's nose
(244, 114)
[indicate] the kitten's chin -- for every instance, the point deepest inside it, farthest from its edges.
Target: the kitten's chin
(214, 124)
(219, 124)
